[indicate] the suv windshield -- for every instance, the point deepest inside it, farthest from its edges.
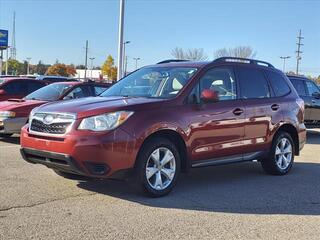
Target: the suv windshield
(49, 93)
(153, 82)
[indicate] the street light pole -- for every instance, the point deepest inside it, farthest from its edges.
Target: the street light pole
(136, 59)
(91, 59)
(28, 69)
(124, 58)
(120, 43)
(284, 62)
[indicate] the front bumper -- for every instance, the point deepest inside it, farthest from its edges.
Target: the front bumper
(12, 125)
(82, 152)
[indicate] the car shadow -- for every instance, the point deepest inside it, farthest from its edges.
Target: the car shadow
(14, 139)
(313, 137)
(240, 188)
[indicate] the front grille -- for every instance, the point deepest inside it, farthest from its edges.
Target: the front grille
(53, 128)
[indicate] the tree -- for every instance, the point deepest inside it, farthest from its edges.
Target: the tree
(41, 68)
(109, 69)
(60, 69)
(195, 54)
(14, 67)
(240, 52)
(81, 66)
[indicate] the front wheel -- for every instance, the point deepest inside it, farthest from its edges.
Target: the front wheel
(158, 167)
(281, 156)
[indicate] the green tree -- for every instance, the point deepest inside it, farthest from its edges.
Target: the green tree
(109, 69)
(14, 67)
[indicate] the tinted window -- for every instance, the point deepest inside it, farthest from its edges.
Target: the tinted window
(220, 80)
(79, 92)
(312, 88)
(299, 86)
(33, 86)
(99, 89)
(253, 83)
(16, 87)
(278, 83)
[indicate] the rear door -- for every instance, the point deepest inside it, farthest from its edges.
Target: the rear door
(313, 93)
(262, 109)
(301, 88)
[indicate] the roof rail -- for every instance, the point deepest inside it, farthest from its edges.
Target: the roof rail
(243, 60)
(172, 60)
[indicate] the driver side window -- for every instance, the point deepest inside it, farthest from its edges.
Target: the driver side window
(221, 81)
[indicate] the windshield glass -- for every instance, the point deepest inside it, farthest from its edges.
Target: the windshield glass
(153, 82)
(51, 92)
(1, 81)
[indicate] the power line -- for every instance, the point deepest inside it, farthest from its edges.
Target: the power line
(299, 52)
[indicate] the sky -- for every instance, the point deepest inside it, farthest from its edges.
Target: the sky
(50, 30)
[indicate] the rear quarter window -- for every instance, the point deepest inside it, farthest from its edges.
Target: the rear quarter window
(278, 84)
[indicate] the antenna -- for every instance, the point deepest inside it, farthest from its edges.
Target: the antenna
(13, 50)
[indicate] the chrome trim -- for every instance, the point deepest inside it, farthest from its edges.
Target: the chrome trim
(58, 117)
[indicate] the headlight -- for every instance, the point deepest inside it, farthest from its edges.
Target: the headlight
(104, 122)
(7, 114)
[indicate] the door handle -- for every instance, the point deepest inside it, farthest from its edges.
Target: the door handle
(275, 107)
(237, 111)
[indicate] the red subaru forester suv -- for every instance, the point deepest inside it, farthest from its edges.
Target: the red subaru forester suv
(167, 118)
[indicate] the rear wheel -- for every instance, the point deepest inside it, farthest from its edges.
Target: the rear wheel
(158, 167)
(281, 156)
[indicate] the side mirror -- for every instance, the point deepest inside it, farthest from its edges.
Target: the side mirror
(316, 95)
(2, 92)
(209, 96)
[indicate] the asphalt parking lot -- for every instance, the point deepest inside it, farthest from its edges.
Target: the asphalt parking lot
(226, 202)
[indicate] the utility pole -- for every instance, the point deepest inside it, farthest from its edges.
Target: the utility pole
(284, 62)
(28, 69)
(91, 59)
(86, 62)
(124, 58)
(125, 66)
(7, 53)
(120, 44)
(299, 52)
(136, 60)
(1, 57)
(13, 50)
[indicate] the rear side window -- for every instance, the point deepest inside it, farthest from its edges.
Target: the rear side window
(33, 86)
(253, 83)
(16, 87)
(278, 83)
(299, 86)
(312, 88)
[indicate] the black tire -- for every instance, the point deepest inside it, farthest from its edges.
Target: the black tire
(141, 181)
(269, 164)
(69, 175)
(5, 135)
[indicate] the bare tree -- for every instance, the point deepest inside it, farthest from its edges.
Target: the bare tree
(195, 54)
(241, 52)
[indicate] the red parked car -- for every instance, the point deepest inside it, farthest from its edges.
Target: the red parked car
(170, 117)
(17, 87)
(14, 113)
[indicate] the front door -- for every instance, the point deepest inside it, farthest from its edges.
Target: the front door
(216, 128)
(313, 93)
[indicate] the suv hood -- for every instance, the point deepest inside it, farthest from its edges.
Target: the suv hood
(91, 106)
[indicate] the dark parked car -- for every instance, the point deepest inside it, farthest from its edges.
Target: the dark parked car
(14, 113)
(55, 78)
(17, 87)
(310, 93)
(170, 117)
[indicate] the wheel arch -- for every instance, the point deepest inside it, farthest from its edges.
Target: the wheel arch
(290, 129)
(176, 138)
